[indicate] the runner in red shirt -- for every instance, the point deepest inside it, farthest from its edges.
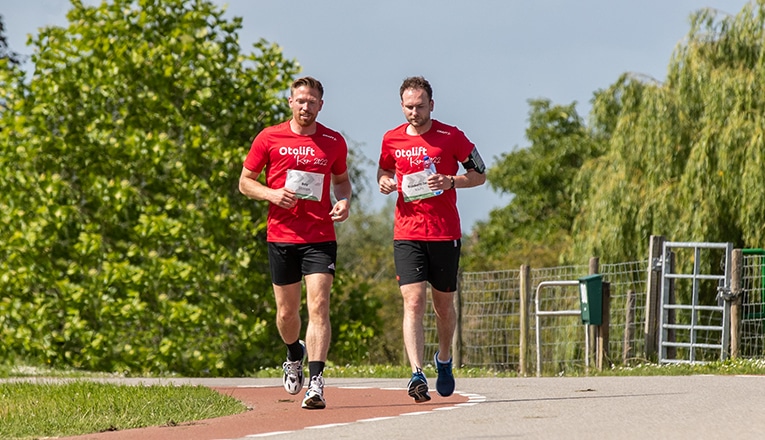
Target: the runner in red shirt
(301, 158)
(285, 156)
(427, 232)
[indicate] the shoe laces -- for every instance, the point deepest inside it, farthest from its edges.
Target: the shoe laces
(419, 375)
(292, 367)
(317, 384)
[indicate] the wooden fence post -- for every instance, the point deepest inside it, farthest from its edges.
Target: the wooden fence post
(628, 327)
(736, 284)
(525, 299)
(594, 330)
(652, 304)
(603, 329)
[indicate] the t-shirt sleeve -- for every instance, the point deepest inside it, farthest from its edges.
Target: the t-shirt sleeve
(341, 164)
(258, 155)
(386, 161)
(464, 147)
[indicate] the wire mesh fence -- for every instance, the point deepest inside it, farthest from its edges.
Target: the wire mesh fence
(753, 306)
(489, 307)
(563, 338)
(627, 310)
(490, 319)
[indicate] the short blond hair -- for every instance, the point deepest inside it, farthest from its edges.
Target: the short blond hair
(310, 82)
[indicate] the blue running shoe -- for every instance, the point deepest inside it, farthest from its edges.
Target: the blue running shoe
(418, 387)
(445, 381)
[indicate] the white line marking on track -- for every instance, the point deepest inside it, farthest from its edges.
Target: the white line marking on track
(269, 434)
(418, 413)
(328, 425)
(473, 399)
(376, 419)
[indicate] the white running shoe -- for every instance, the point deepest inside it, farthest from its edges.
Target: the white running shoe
(293, 374)
(314, 397)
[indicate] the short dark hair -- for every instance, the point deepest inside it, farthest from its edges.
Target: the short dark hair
(416, 82)
(308, 81)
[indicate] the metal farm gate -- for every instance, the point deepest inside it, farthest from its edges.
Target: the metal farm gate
(695, 302)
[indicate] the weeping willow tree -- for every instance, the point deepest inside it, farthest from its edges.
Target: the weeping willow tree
(685, 156)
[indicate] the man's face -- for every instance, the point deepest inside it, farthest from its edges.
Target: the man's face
(305, 103)
(416, 106)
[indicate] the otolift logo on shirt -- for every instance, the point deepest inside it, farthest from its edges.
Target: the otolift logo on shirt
(417, 151)
(304, 154)
(303, 150)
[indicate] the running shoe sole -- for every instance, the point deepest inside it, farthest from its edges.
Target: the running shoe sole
(419, 392)
(314, 402)
(314, 397)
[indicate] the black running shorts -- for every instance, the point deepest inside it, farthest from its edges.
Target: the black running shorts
(289, 262)
(436, 262)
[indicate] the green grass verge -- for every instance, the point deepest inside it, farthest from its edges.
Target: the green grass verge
(50, 409)
(32, 410)
(723, 368)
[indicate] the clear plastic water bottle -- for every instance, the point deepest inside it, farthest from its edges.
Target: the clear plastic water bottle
(430, 168)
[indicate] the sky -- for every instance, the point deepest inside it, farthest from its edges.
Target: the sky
(484, 58)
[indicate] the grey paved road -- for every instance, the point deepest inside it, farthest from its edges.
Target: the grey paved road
(677, 407)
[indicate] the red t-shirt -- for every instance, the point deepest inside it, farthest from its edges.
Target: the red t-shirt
(435, 218)
(279, 149)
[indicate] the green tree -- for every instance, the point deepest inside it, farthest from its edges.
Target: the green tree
(685, 156)
(365, 265)
(366, 258)
(125, 245)
(534, 227)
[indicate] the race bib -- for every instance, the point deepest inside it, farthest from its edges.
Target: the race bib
(307, 185)
(415, 186)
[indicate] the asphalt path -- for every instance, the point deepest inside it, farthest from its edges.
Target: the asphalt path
(655, 407)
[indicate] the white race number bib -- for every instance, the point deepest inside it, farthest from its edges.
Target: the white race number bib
(307, 185)
(415, 186)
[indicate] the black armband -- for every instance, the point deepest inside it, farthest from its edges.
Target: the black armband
(474, 162)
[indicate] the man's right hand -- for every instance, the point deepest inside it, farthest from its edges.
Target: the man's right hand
(387, 185)
(283, 198)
